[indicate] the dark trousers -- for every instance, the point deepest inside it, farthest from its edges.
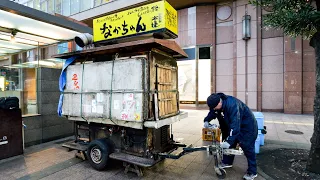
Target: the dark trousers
(248, 149)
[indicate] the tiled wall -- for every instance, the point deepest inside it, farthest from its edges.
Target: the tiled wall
(187, 27)
(224, 53)
(238, 73)
(53, 126)
(308, 77)
(272, 76)
(293, 75)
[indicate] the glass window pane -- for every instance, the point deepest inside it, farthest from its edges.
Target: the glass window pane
(30, 4)
(43, 6)
(50, 6)
(29, 91)
(66, 7)
(58, 6)
(97, 3)
(19, 80)
(85, 4)
(204, 82)
(187, 81)
(75, 6)
(78, 48)
(64, 47)
(204, 53)
(36, 4)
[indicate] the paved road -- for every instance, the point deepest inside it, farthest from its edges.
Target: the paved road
(50, 161)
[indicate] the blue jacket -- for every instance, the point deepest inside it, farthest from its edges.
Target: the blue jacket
(240, 121)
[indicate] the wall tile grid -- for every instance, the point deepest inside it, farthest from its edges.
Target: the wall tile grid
(187, 27)
(246, 54)
(224, 53)
(308, 77)
(272, 74)
(293, 75)
(288, 83)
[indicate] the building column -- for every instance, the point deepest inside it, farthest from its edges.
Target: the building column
(308, 77)
(293, 75)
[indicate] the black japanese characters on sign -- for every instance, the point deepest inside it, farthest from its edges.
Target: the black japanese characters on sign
(105, 29)
(171, 18)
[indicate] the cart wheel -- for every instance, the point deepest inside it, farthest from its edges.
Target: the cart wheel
(98, 153)
(222, 173)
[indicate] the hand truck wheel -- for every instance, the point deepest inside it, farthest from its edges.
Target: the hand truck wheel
(221, 173)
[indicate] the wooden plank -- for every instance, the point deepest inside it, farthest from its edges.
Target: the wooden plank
(169, 94)
(160, 88)
(166, 88)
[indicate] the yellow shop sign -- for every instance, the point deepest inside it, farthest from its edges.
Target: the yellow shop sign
(149, 18)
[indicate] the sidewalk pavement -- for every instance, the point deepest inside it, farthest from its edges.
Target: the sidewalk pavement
(51, 161)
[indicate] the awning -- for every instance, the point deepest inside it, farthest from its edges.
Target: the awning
(171, 47)
(23, 28)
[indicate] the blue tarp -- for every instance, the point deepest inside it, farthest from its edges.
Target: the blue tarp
(63, 81)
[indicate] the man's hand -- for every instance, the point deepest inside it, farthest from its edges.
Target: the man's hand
(206, 124)
(225, 145)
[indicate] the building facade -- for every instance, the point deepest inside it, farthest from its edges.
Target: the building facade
(268, 71)
(28, 40)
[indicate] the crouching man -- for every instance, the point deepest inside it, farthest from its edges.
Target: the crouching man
(238, 125)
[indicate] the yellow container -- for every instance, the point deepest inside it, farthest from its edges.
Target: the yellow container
(211, 134)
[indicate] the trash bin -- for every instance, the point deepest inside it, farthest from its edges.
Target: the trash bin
(257, 145)
(260, 121)
(10, 133)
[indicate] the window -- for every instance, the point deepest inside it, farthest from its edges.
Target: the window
(19, 80)
(97, 3)
(78, 48)
(204, 53)
(43, 6)
(58, 7)
(36, 4)
(51, 6)
(85, 5)
(30, 4)
(75, 6)
(64, 47)
(66, 7)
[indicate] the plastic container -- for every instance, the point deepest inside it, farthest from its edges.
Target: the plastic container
(260, 119)
(261, 136)
(257, 145)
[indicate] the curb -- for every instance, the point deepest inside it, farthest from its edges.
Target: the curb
(264, 175)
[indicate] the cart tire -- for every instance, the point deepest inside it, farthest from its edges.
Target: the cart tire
(223, 174)
(98, 153)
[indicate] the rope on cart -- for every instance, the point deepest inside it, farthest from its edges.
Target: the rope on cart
(110, 99)
(81, 89)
